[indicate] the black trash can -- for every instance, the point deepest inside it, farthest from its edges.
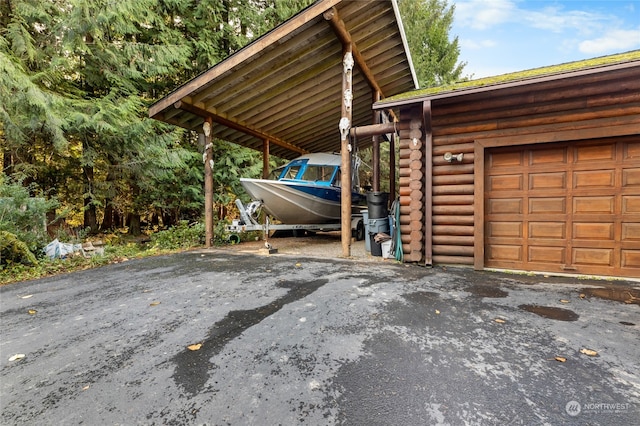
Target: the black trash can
(377, 204)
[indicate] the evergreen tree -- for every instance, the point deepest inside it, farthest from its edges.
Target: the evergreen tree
(435, 57)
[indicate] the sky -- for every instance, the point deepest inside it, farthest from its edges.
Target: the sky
(502, 36)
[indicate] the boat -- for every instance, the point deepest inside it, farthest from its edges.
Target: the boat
(306, 190)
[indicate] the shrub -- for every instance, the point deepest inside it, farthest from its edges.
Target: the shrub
(22, 215)
(181, 236)
(13, 250)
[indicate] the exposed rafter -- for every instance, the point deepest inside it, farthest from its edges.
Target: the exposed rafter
(237, 126)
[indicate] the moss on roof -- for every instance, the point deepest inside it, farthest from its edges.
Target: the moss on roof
(519, 76)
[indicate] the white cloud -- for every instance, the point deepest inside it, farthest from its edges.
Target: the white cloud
(557, 20)
(612, 41)
(473, 44)
(484, 14)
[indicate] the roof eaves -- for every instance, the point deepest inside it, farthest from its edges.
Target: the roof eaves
(301, 18)
(520, 78)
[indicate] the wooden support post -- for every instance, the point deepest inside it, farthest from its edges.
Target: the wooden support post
(208, 181)
(265, 158)
(345, 148)
(375, 157)
(392, 167)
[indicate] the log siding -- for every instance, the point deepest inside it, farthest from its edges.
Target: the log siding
(584, 107)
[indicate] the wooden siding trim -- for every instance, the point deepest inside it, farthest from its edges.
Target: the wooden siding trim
(428, 183)
(595, 132)
(478, 201)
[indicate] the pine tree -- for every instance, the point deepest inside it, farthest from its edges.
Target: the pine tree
(427, 24)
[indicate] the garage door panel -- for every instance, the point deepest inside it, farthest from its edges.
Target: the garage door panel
(505, 183)
(590, 205)
(631, 151)
(631, 178)
(553, 205)
(631, 231)
(631, 204)
(508, 159)
(547, 254)
(548, 230)
(592, 256)
(554, 155)
(504, 229)
(594, 231)
(594, 178)
(557, 180)
(505, 206)
(591, 153)
(500, 252)
(631, 259)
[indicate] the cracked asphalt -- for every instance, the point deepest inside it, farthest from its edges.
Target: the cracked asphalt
(288, 339)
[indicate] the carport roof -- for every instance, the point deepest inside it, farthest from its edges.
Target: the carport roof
(286, 86)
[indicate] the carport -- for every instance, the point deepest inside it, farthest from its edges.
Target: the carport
(286, 92)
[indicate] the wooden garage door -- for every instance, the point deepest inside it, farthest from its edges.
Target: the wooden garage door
(564, 207)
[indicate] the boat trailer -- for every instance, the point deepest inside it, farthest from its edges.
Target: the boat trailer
(248, 222)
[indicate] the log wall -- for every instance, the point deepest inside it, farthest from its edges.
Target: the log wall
(412, 177)
(565, 109)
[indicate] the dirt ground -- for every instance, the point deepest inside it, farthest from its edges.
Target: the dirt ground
(322, 244)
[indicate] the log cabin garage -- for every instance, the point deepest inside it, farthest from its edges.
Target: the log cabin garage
(533, 171)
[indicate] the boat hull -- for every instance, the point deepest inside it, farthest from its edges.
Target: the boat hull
(298, 203)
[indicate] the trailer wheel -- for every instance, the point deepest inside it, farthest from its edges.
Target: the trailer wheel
(360, 231)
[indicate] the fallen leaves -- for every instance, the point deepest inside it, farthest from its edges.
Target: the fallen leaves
(16, 357)
(32, 312)
(437, 312)
(499, 320)
(589, 352)
(156, 303)
(27, 296)
(560, 359)
(564, 301)
(195, 347)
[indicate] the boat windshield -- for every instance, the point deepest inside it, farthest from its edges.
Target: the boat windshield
(318, 173)
(291, 172)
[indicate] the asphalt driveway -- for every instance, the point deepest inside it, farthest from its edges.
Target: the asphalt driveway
(217, 337)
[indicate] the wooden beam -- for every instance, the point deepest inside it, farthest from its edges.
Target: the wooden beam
(237, 126)
(338, 27)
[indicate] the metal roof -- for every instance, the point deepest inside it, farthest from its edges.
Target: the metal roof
(286, 86)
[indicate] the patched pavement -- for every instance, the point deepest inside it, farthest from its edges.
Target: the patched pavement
(287, 339)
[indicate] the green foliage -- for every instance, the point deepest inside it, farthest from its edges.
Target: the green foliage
(22, 215)
(181, 236)
(435, 57)
(13, 250)
(76, 80)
